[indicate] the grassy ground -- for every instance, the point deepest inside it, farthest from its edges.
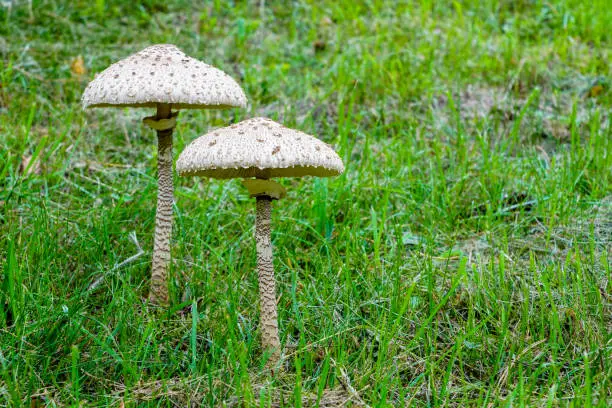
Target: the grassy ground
(463, 259)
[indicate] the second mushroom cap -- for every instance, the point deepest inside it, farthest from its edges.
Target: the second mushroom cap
(260, 148)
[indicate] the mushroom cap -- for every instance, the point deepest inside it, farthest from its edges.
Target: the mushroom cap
(163, 74)
(260, 148)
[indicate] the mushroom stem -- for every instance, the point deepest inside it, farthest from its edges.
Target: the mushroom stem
(158, 294)
(267, 290)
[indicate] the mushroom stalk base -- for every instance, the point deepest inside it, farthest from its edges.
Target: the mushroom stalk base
(267, 289)
(158, 294)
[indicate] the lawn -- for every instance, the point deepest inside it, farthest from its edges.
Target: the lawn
(462, 259)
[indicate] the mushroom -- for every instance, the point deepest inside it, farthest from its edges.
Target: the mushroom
(163, 77)
(259, 149)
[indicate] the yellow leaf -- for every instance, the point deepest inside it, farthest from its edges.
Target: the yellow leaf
(77, 66)
(596, 90)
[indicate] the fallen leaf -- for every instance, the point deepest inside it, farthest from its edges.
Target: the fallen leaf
(37, 401)
(27, 167)
(77, 66)
(326, 21)
(319, 45)
(596, 88)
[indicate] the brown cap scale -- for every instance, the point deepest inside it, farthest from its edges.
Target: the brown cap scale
(163, 77)
(259, 149)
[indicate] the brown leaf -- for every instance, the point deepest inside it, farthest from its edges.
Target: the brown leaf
(34, 168)
(595, 91)
(319, 45)
(37, 401)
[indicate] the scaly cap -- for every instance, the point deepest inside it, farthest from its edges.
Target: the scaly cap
(261, 148)
(163, 74)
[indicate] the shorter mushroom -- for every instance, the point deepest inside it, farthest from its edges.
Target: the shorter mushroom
(257, 150)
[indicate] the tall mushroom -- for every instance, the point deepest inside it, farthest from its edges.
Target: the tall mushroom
(163, 77)
(260, 149)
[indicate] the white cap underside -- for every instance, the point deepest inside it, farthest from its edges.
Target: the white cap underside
(163, 74)
(258, 148)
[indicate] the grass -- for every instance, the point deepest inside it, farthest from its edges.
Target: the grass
(463, 259)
